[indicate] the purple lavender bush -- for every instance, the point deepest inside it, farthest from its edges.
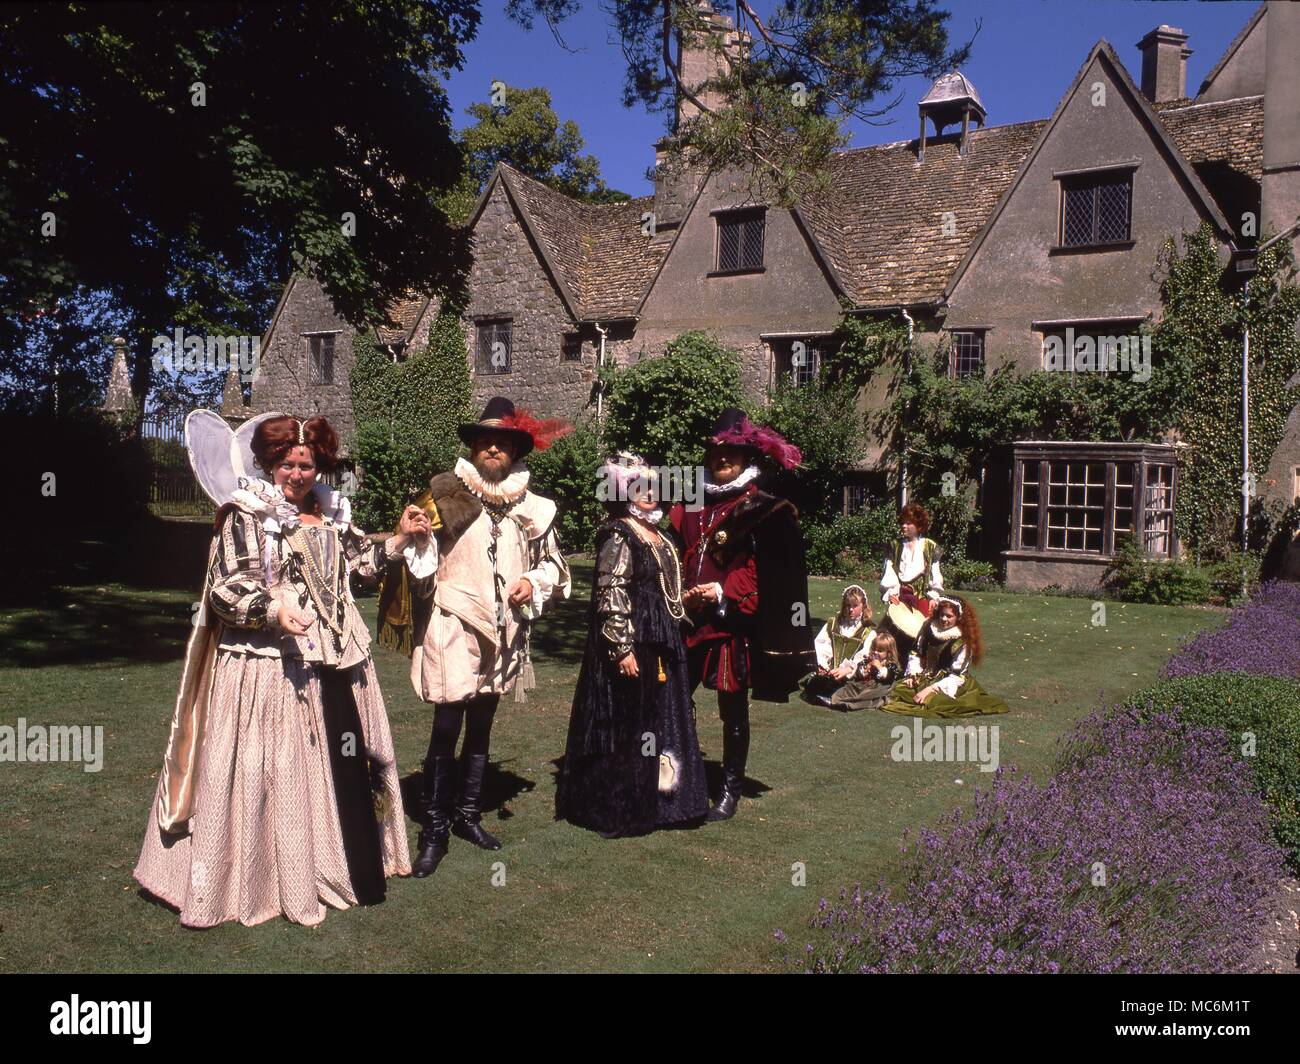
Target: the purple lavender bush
(1261, 637)
(1147, 851)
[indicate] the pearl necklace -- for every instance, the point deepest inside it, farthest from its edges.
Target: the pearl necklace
(674, 603)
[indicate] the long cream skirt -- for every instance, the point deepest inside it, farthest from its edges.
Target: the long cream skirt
(265, 837)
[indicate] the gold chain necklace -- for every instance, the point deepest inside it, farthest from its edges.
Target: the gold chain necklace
(674, 603)
(313, 578)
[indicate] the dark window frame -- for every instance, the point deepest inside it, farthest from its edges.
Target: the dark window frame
(571, 347)
(956, 357)
(1131, 497)
(1116, 328)
(783, 355)
(320, 358)
(487, 332)
(1091, 223)
(744, 251)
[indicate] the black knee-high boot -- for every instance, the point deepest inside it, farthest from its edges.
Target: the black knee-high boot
(439, 798)
(734, 707)
(469, 812)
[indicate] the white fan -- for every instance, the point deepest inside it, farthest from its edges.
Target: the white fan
(220, 456)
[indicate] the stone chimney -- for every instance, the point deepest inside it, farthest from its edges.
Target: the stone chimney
(1164, 64)
(1280, 184)
(677, 184)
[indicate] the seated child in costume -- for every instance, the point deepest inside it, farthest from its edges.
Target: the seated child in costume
(881, 666)
(840, 645)
(939, 683)
(873, 679)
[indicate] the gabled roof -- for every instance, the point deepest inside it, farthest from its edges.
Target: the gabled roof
(403, 316)
(1229, 132)
(890, 231)
(1160, 134)
(598, 255)
(1231, 50)
(894, 230)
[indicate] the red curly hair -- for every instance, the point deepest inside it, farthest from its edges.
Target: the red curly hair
(969, 626)
(917, 515)
(277, 436)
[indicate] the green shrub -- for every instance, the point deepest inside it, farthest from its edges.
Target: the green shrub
(851, 545)
(406, 418)
(821, 419)
(1265, 707)
(1225, 576)
(663, 408)
(1136, 577)
(391, 474)
(965, 574)
(566, 472)
(952, 518)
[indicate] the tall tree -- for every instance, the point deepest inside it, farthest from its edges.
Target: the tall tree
(781, 87)
(179, 159)
(523, 130)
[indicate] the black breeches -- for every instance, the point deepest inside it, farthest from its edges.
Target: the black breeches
(476, 714)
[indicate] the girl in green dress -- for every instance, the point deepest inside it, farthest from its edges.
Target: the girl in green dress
(841, 645)
(938, 682)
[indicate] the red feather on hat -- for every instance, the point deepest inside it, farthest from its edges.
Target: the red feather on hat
(544, 431)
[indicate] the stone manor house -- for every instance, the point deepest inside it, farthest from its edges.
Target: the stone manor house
(997, 240)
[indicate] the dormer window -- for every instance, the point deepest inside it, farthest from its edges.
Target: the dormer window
(1096, 209)
(740, 240)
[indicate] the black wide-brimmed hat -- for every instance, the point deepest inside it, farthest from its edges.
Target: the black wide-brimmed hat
(498, 416)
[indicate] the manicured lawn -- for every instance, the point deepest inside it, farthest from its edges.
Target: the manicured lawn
(824, 793)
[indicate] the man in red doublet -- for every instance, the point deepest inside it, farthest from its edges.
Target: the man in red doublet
(747, 588)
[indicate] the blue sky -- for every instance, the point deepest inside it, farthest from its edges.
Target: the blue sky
(1025, 56)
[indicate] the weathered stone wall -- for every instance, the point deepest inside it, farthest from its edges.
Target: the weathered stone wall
(790, 295)
(282, 381)
(509, 279)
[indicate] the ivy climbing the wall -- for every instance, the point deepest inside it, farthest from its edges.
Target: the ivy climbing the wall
(406, 417)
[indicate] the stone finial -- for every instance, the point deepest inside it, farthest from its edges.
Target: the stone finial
(232, 394)
(119, 399)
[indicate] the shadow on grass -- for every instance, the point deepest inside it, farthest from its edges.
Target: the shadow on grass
(500, 788)
(95, 626)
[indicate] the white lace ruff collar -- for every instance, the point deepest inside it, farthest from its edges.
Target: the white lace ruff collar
(651, 518)
(509, 490)
(950, 633)
(267, 501)
(710, 488)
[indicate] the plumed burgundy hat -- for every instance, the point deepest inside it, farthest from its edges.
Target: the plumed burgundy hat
(733, 428)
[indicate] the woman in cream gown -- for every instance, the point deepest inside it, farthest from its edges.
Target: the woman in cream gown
(279, 793)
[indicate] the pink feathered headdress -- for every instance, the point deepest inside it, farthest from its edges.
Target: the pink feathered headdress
(622, 470)
(745, 433)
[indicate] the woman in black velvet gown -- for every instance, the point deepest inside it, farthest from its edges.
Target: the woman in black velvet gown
(632, 762)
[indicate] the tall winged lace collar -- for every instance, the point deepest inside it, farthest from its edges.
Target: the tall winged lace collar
(267, 501)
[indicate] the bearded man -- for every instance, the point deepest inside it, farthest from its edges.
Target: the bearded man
(485, 560)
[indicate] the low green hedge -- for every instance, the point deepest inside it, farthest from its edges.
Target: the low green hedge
(1265, 707)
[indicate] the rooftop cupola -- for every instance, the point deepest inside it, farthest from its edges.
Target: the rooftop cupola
(951, 99)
